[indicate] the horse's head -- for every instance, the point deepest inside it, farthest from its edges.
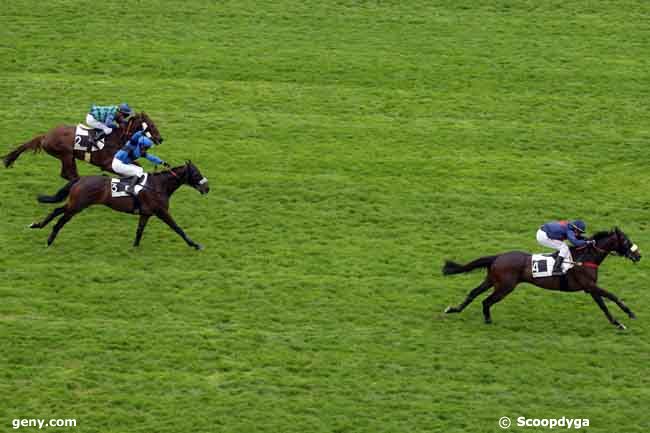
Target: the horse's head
(142, 122)
(195, 179)
(615, 241)
(625, 247)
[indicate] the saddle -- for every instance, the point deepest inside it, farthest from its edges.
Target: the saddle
(542, 265)
(84, 141)
(119, 187)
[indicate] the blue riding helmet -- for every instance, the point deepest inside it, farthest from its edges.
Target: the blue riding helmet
(578, 225)
(124, 108)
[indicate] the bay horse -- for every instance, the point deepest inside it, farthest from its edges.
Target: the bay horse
(59, 142)
(152, 200)
(506, 270)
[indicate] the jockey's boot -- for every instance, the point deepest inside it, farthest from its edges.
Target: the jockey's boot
(99, 135)
(133, 181)
(557, 269)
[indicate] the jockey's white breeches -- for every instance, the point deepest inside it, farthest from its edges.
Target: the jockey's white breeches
(126, 169)
(94, 123)
(561, 246)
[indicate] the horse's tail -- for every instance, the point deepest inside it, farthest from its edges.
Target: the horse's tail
(451, 268)
(34, 145)
(61, 195)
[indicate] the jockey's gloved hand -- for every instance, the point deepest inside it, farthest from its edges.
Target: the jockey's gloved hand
(591, 242)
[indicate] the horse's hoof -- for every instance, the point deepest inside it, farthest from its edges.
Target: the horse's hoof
(621, 326)
(33, 226)
(632, 315)
(488, 321)
(450, 309)
(199, 247)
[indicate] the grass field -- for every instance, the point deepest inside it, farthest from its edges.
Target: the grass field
(351, 148)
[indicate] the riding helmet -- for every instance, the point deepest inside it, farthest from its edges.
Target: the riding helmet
(578, 225)
(124, 108)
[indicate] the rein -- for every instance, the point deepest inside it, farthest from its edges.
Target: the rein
(160, 192)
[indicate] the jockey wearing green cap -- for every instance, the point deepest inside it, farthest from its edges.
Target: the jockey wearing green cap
(103, 118)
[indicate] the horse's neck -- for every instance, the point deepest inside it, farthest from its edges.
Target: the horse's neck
(596, 255)
(171, 183)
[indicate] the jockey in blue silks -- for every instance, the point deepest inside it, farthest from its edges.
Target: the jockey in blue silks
(103, 118)
(553, 234)
(137, 146)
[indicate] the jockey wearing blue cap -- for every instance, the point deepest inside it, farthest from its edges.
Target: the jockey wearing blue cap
(137, 146)
(104, 117)
(553, 234)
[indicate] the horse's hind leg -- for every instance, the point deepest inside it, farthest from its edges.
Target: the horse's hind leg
(58, 226)
(501, 291)
(55, 213)
(485, 285)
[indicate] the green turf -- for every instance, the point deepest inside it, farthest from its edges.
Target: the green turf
(351, 148)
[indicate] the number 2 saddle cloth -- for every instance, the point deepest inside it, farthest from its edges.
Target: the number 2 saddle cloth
(84, 141)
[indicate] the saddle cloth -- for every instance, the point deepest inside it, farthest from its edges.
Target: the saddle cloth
(118, 186)
(542, 265)
(82, 139)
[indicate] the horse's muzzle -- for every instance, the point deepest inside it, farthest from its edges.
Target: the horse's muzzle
(203, 188)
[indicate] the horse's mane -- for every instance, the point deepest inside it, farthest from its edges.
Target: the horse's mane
(158, 173)
(602, 234)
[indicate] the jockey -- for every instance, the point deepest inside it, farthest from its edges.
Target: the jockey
(553, 234)
(103, 117)
(136, 147)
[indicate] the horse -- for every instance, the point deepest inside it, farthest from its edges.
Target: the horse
(506, 270)
(153, 199)
(60, 143)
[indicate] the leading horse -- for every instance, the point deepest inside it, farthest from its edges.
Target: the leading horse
(59, 142)
(507, 270)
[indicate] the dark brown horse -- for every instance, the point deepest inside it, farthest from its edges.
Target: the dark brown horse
(59, 142)
(507, 270)
(152, 200)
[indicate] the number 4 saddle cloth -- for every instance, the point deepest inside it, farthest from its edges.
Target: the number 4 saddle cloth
(542, 265)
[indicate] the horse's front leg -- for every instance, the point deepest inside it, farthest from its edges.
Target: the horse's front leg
(601, 303)
(612, 297)
(69, 167)
(141, 225)
(167, 218)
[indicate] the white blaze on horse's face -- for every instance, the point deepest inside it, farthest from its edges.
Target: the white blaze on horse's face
(202, 186)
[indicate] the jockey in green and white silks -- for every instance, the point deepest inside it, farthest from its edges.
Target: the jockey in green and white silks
(103, 117)
(553, 234)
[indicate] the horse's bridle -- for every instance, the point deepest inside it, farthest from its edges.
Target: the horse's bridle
(131, 125)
